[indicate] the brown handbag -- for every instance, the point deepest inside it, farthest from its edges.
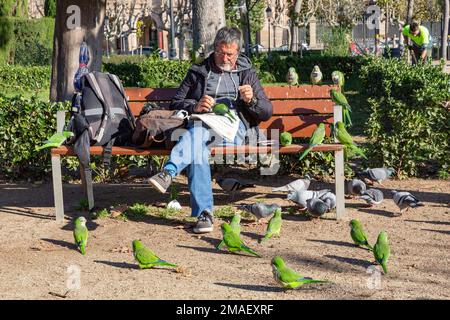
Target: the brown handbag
(155, 128)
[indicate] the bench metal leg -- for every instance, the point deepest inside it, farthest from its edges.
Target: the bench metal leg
(57, 187)
(339, 181)
(86, 179)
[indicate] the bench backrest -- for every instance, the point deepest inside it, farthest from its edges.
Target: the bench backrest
(297, 109)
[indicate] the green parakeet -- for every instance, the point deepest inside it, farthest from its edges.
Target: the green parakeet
(381, 250)
(80, 234)
(222, 109)
(147, 258)
(358, 235)
(274, 226)
(346, 139)
(338, 78)
(285, 139)
(316, 139)
(56, 140)
(287, 277)
(292, 77)
(316, 75)
(340, 99)
(235, 224)
(232, 241)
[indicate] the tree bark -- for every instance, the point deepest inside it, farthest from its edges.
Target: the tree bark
(207, 17)
(68, 36)
(445, 29)
(410, 11)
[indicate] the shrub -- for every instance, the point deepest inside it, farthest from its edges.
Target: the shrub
(25, 124)
(408, 128)
(21, 78)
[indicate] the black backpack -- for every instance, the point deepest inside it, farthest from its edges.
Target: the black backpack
(100, 116)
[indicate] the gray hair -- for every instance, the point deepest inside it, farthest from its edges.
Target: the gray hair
(228, 35)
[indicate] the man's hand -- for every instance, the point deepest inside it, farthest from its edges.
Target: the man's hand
(246, 92)
(205, 104)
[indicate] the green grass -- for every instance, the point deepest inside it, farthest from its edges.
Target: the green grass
(225, 212)
(100, 214)
(83, 205)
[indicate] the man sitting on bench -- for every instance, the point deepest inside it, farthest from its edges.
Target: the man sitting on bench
(224, 77)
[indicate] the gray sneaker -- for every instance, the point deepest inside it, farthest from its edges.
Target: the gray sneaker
(204, 223)
(161, 181)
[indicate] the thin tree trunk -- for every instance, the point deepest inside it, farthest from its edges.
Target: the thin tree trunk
(410, 11)
(445, 29)
(207, 17)
(67, 39)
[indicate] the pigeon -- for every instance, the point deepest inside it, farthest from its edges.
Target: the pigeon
(297, 185)
(330, 199)
(316, 207)
(405, 200)
(372, 196)
(355, 187)
(316, 75)
(377, 174)
(232, 185)
(292, 77)
(302, 196)
(259, 209)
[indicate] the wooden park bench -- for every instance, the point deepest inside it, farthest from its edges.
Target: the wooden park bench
(296, 109)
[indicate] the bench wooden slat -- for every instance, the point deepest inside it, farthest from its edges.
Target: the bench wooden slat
(150, 94)
(298, 126)
(97, 150)
(280, 107)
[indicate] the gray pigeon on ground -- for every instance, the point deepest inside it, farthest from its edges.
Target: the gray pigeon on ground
(377, 174)
(330, 199)
(297, 185)
(232, 185)
(372, 196)
(355, 187)
(405, 200)
(259, 209)
(317, 207)
(300, 197)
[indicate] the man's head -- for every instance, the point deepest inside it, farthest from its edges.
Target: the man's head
(414, 28)
(227, 45)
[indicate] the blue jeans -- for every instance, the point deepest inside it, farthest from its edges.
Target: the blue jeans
(192, 153)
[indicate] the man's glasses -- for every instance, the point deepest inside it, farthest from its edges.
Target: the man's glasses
(228, 55)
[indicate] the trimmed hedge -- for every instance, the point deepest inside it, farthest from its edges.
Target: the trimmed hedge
(22, 78)
(408, 129)
(25, 124)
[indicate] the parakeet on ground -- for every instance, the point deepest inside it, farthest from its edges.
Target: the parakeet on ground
(235, 224)
(315, 140)
(274, 226)
(147, 258)
(358, 235)
(382, 251)
(80, 234)
(287, 277)
(233, 242)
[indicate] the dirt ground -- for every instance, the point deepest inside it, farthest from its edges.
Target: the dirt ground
(38, 259)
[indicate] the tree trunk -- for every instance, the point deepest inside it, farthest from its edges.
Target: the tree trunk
(207, 17)
(410, 11)
(294, 27)
(445, 29)
(75, 21)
